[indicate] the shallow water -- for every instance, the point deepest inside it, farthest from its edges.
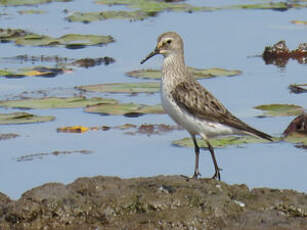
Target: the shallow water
(226, 39)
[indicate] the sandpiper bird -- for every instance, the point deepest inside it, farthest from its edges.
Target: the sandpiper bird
(191, 105)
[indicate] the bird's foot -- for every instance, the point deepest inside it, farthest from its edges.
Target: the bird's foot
(217, 175)
(195, 176)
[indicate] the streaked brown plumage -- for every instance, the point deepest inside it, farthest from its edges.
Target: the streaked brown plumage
(199, 102)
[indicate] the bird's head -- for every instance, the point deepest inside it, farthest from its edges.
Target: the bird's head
(167, 44)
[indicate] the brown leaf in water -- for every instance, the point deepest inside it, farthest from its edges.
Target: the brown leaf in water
(30, 157)
(7, 136)
(73, 129)
(279, 54)
(297, 125)
(298, 88)
(91, 62)
(297, 22)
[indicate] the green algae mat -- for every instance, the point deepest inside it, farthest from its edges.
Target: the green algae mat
(28, 2)
(99, 16)
(142, 9)
(220, 142)
(22, 118)
(273, 110)
(54, 102)
(71, 41)
(126, 109)
(36, 71)
(104, 106)
(300, 140)
(31, 12)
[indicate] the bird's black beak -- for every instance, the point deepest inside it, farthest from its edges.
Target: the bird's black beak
(153, 53)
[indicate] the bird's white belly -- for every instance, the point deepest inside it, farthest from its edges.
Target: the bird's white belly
(191, 123)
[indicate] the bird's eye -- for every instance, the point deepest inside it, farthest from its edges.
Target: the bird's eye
(169, 41)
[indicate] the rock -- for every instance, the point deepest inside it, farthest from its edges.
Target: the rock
(162, 202)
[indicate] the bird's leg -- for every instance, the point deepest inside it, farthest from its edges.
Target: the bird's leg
(196, 168)
(217, 169)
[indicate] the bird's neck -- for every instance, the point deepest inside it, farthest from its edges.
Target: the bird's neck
(174, 68)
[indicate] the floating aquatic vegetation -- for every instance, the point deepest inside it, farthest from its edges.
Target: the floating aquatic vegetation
(37, 59)
(298, 88)
(35, 156)
(62, 61)
(28, 2)
(272, 110)
(198, 73)
(299, 139)
(59, 92)
(105, 15)
(31, 12)
(131, 88)
(143, 9)
(150, 8)
(220, 142)
(151, 5)
(23, 118)
(63, 65)
(55, 102)
(7, 35)
(279, 54)
(126, 109)
(37, 71)
(158, 6)
(7, 136)
(121, 127)
(145, 74)
(91, 62)
(70, 41)
(278, 6)
(213, 72)
(146, 8)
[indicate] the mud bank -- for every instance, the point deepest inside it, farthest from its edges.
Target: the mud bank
(162, 202)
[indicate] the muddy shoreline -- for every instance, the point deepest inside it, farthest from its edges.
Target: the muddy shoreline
(161, 202)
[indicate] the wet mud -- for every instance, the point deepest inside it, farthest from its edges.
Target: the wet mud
(162, 202)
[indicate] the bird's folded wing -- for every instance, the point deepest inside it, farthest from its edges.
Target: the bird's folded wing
(197, 101)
